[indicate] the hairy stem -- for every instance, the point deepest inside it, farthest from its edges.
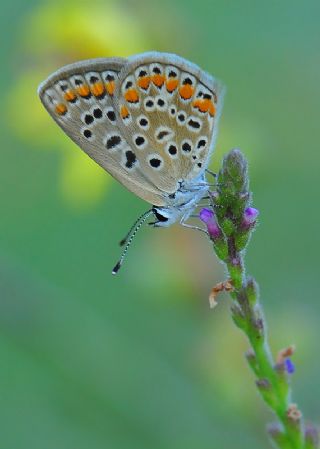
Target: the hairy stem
(230, 224)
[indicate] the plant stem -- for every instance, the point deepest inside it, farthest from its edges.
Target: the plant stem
(273, 386)
(230, 227)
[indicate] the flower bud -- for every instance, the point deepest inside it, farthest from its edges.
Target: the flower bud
(277, 434)
(266, 390)
(312, 436)
(250, 215)
(208, 217)
(289, 365)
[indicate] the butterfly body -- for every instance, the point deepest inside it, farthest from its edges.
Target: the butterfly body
(181, 203)
(149, 120)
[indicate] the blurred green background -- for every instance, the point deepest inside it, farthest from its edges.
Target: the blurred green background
(139, 361)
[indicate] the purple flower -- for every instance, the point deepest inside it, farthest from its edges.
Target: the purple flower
(250, 216)
(208, 217)
(290, 368)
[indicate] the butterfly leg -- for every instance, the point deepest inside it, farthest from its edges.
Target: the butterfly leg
(211, 173)
(197, 228)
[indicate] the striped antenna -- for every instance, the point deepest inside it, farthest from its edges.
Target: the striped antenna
(129, 238)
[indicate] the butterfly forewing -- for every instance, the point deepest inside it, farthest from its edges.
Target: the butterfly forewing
(172, 109)
(81, 99)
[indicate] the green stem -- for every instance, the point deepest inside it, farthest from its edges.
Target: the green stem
(276, 389)
(230, 237)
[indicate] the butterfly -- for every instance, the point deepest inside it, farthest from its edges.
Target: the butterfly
(149, 120)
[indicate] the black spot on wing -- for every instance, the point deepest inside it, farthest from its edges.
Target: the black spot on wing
(97, 113)
(155, 162)
(113, 141)
(131, 159)
(111, 116)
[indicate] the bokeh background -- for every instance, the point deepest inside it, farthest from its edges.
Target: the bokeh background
(139, 361)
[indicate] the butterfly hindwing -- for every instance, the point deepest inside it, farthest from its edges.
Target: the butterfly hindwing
(169, 110)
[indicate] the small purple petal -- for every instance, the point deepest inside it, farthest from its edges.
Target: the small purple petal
(290, 368)
(208, 217)
(250, 215)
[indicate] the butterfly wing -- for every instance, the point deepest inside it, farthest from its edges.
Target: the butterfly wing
(81, 98)
(171, 111)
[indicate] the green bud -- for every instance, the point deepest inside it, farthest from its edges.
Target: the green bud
(235, 171)
(252, 361)
(242, 239)
(278, 436)
(238, 317)
(266, 390)
(227, 226)
(221, 248)
(252, 290)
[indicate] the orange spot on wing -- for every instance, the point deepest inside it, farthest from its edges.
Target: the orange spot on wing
(212, 108)
(83, 90)
(97, 89)
(124, 112)
(205, 105)
(197, 104)
(144, 82)
(70, 95)
(186, 91)
(110, 86)
(172, 84)
(158, 79)
(61, 109)
(131, 96)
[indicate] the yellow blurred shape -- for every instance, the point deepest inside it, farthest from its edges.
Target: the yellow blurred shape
(82, 179)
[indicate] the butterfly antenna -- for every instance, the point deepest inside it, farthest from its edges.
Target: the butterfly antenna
(135, 228)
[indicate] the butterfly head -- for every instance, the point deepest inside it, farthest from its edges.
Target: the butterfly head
(180, 204)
